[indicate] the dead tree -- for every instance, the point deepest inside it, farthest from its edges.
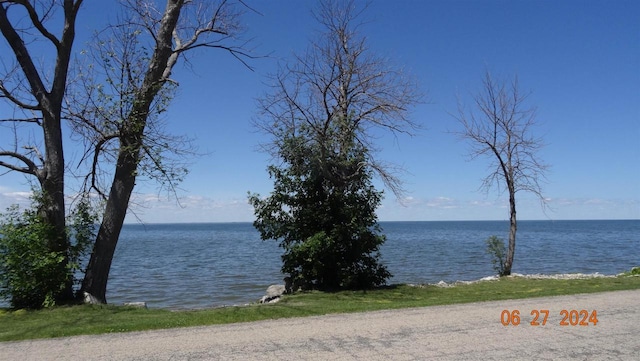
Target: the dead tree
(500, 127)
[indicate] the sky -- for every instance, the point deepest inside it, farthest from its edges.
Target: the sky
(579, 59)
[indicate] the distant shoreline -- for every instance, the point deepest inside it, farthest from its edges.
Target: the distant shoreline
(428, 221)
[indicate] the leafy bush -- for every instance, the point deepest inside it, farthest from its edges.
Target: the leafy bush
(497, 249)
(331, 262)
(322, 211)
(32, 275)
(635, 271)
(28, 268)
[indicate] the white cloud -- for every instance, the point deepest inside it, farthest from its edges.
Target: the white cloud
(154, 208)
(442, 202)
(189, 209)
(9, 197)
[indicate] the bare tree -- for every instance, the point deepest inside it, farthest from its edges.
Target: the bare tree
(104, 91)
(337, 79)
(114, 110)
(501, 128)
(138, 66)
(38, 101)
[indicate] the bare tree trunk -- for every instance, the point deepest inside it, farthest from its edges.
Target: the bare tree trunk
(513, 226)
(97, 275)
(52, 184)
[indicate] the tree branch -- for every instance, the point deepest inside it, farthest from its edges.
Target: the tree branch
(23, 57)
(37, 23)
(30, 166)
(7, 94)
(37, 121)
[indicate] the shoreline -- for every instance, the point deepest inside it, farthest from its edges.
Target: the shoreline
(442, 284)
(558, 276)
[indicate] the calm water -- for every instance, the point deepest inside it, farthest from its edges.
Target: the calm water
(204, 265)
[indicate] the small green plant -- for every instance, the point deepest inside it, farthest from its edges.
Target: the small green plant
(32, 274)
(497, 249)
(29, 269)
(81, 231)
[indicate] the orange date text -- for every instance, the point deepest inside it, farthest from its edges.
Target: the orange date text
(541, 317)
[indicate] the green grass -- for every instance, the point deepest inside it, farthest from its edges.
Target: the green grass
(84, 320)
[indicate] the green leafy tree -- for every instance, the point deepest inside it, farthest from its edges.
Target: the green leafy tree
(323, 212)
(28, 268)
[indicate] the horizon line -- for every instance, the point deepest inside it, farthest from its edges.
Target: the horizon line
(410, 221)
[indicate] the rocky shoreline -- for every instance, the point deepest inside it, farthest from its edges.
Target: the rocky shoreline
(561, 276)
(275, 292)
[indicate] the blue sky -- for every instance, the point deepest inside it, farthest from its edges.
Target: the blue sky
(580, 59)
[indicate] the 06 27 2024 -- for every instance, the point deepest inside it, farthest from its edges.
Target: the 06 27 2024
(540, 317)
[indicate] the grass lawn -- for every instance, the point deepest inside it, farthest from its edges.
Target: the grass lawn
(86, 319)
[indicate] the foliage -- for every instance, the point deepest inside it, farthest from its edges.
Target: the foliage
(497, 249)
(112, 102)
(635, 271)
(82, 232)
(32, 275)
(322, 211)
(96, 109)
(28, 268)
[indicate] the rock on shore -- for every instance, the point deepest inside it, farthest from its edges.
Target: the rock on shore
(273, 294)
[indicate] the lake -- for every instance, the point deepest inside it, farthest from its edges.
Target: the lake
(190, 266)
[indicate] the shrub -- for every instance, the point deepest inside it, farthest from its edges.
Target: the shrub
(332, 262)
(28, 268)
(322, 212)
(635, 271)
(32, 275)
(497, 249)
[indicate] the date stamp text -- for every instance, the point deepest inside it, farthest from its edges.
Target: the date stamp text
(541, 317)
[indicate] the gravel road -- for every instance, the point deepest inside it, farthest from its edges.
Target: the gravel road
(460, 332)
